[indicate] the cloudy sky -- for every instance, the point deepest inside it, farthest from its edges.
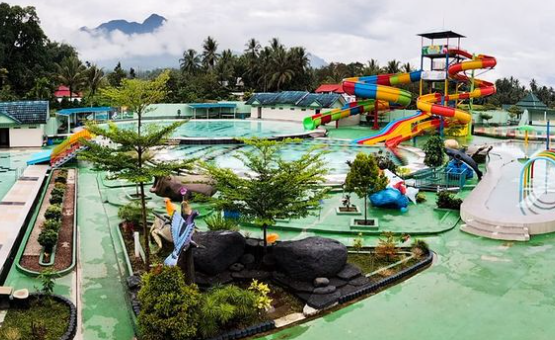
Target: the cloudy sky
(519, 34)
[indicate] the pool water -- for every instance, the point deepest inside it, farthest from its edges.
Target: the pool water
(230, 128)
(336, 153)
(10, 162)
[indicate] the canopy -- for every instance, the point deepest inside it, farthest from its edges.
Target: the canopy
(213, 106)
(67, 112)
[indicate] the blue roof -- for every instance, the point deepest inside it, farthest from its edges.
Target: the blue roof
(297, 98)
(213, 105)
(67, 112)
(30, 112)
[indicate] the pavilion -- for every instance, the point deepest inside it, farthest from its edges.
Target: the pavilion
(77, 115)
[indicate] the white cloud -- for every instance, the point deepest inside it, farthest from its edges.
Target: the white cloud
(354, 30)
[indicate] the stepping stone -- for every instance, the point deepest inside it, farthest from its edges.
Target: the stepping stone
(359, 281)
(335, 281)
(321, 282)
(348, 272)
(324, 290)
(321, 301)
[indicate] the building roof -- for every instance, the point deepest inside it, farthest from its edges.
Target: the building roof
(67, 112)
(325, 88)
(213, 105)
(531, 102)
(296, 98)
(63, 91)
(28, 112)
(441, 35)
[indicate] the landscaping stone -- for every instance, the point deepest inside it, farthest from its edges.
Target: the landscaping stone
(321, 282)
(348, 272)
(220, 250)
(310, 258)
(247, 259)
(296, 285)
(236, 267)
(335, 281)
(348, 289)
(309, 311)
(359, 281)
(321, 301)
(269, 260)
(251, 275)
(324, 290)
(204, 280)
(133, 282)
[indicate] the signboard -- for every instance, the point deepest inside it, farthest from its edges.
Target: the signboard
(434, 50)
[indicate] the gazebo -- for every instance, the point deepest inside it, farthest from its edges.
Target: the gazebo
(538, 112)
(98, 113)
(227, 110)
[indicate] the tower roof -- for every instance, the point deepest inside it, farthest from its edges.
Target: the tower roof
(441, 35)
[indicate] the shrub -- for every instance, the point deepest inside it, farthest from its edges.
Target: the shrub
(53, 212)
(420, 197)
(434, 152)
(60, 179)
(52, 225)
(385, 161)
(357, 243)
(58, 192)
(48, 239)
(227, 307)
(420, 247)
(169, 307)
(199, 198)
(386, 246)
(56, 199)
(46, 279)
(60, 186)
(263, 302)
(447, 200)
(132, 213)
(218, 222)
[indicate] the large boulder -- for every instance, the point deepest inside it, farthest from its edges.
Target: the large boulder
(218, 251)
(170, 186)
(310, 258)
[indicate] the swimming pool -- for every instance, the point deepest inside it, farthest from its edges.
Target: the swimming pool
(227, 128)
(11, 162)
(336, 153)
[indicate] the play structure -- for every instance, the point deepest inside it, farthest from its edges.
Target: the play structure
(462, 163)
(437, 106)
(396, 195)
(536, 196)
(63, 152)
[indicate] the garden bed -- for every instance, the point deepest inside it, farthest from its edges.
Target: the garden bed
(63, 250)
(53, 318)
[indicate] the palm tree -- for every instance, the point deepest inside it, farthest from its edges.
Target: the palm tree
(94, 79)
(253, 47)
(393, 66)
(299, 59)
(209, 54)
(372, 68)
(264, 67)
(275, 45)
(225, 66)
(72, 73)
(190, 62)
(282, 70)
(407, 68)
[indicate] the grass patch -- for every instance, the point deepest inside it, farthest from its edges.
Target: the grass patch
(369, 263)
(51, 314)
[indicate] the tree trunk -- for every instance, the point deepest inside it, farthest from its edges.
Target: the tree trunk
(145, 228)
(264, 235)
(365, 211)
(189, 266)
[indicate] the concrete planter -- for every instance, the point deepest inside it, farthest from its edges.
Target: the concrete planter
(51, 260)
(373, 226)
(355, 212)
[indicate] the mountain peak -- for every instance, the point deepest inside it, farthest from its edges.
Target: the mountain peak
(149, 25)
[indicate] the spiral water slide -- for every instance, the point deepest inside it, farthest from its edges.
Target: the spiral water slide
(406, 128)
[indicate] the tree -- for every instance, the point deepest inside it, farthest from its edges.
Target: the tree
(372, 68)
(117, 75)
(393, 66)
(133, 159)
(273, 188)
(210, 53)
(434, 152)
(515, 112)
(190, 62)
(485, 116)
(364, 179)
(94, 80)
(72, 73)
(169, 307)
(282, 70)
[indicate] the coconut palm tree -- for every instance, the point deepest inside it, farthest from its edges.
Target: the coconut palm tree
(276, 46)
(253, 47)
(210, 55)
(225, 66)
(372, 68)
(264, 67)
(94, 80)
(393, 66)
(299, 59)
(72, 73)
(190, 62)
(407, 67)
(282, 69)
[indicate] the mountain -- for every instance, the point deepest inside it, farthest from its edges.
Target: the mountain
(152, 23)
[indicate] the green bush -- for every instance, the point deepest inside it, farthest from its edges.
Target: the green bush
(52, 225)
(61, 179)
(420, 246)
(447, 200)
(420, 197)
(48, 239)
(53, 212)
(60, 186)
(58, 192)
(169, 307)
(434, 152)
(199, 198)
(218, 222)
(227, 307)
(56, 199)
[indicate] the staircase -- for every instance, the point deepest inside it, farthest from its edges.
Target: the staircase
(69, 148)
(481, 228)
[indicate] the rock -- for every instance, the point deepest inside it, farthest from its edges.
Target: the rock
(310, 258)
(251, 275)
(359, 281)
(221, 250)
(247, 259)
(321, 301)
(321, 282)
(133, 282)
(296, 285)
(303, 296)
(348, 272)
(236, 267)
(348, 289)
(309, 311)
(335, 281)
(269, 260)
(207, 281)
(324, 290)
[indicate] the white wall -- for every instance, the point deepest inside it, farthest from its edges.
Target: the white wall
(285, 113)
(26, 137)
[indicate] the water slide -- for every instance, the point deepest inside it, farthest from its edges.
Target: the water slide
(63, 152)
(350, 109)
(406, 128)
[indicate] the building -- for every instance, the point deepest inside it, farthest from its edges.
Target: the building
(292, 105)
(22, 123)
(335, 88)
(535, 111)
(63, 92)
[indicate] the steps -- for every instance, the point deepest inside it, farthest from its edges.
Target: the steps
(498, 232)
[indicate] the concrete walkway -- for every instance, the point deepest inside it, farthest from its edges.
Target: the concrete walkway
(16, 206)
